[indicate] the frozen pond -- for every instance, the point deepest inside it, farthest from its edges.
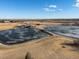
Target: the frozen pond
(20, 34)
(70, 31)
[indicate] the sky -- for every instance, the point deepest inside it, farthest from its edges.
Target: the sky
(39, 9)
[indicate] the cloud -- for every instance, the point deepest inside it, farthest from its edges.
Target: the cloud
(77, 0)
(49, 10)
(76, 4)
(52, 8)
(46, 9)
(60, 9)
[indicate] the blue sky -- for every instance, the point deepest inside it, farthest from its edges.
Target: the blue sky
(31, 9)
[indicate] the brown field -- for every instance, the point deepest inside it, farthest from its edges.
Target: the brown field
(51, 47)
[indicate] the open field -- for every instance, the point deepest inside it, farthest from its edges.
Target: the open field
(4, 26)
(50, 47)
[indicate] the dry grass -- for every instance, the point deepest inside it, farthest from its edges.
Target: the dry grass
(4, 26)
(47, 48)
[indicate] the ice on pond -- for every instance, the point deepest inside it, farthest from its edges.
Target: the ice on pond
(71, 31)
(20, 34)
